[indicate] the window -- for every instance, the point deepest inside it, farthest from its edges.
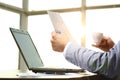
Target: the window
(17, 3)
(8, 48)
(101, 2)
(53, 4)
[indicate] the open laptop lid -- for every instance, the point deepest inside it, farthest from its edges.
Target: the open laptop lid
(27, 48)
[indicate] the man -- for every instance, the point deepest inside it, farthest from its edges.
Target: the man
(106, 63)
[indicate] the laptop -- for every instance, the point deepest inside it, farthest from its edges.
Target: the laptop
(32, 57)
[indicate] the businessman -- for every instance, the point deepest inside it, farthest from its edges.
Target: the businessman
(105, 63)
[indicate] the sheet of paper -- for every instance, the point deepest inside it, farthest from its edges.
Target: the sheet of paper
(58, 23)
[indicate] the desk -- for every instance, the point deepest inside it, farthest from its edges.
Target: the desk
(14, 75)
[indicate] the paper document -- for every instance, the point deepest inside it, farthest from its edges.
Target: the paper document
(58, 23)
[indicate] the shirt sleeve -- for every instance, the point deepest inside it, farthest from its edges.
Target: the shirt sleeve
(106, 63)
(64, 52)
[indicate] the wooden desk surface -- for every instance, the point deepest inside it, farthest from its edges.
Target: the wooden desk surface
(16, 74)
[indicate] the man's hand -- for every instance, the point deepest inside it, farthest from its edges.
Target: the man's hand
(59, 41)
(105, 44)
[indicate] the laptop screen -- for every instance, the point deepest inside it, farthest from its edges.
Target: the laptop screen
(27, 48)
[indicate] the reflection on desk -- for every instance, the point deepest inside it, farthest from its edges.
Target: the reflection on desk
(17, 74)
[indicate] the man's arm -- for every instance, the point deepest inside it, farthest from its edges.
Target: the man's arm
(106, 63)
